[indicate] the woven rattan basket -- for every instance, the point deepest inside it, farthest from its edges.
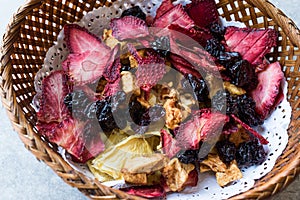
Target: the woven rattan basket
(35, 27)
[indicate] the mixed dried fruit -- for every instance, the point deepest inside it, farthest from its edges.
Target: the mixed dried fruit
(150, 105)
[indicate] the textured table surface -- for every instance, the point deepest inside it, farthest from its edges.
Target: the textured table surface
(23, 177)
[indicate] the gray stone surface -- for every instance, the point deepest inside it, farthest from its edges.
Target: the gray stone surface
(23, 177)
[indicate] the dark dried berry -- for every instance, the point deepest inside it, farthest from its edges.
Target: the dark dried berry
(198, 85)
(161, 45)
(105, 116)
(111, 112)
(246, 111)
(227, 59)
(226, 150)
(222, 101)
(135, 11)
(188, 156)
(80, 105)
(214, 47)
(217, 31)
(250, 153)
(138, 113)
(243, 74)
(242, 106)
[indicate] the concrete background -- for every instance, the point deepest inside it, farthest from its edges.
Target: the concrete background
(22, 177)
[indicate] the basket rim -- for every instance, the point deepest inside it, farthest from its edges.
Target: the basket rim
(17, 117)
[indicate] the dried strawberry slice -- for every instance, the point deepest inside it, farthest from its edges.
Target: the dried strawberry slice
(54, 90)
(152, 191)
(253, 44)
(89, 66)
(251, 130)
(165, 6)
(86, 67)
(112, 72)
(89, 56)
(203, 12)
(111, 88)
(69, 134)
(205, 125)
(79, 40)
(150, 70)
(169, 144)
(183, 66)
(199, 35)
(268, 89)
(129, 27)
(176, 15)
(200, 59)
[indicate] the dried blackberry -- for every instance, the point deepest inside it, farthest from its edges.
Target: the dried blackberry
(105, 116)
(214, 47)
(227, 59)
(198, 85)
(80, 105)
(188, 156)
(135, 11)
(246, 111)
(138, 113)
(110, 112)
(243, 74)
(226, 151)
(250, 153)
(217, 31)
(161, 45)
(242, 106)
(223, 101)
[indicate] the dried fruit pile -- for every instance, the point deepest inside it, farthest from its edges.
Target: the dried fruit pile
(142, 102)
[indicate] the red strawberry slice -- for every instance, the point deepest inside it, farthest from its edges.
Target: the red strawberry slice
(205, 125)
(89, 56)
(86, 67)
(112, 71)
(79, 40)
(92, 140)
(201, 35)
(150, 70)
(69, 134)
(183, 66)
(203, 12)
(177, 16)
(169, 144)
(165, 6)
(111, 88)
(266, 93)
(54, 90)
(152, 191)
(261, 139)
(234, 35)
(252, 44)
(89, 66)
(200, 59)
(129, 27)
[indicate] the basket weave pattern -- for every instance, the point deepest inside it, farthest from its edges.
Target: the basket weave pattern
(34, 29)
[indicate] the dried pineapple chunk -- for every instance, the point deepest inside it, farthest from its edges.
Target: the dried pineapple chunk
(113, 159)
(214, 163)
(176, 174)
(231, 174)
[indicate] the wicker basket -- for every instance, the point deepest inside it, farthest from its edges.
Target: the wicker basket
(35, 27)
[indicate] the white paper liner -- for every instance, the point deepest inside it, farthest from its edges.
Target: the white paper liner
(274, 128)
